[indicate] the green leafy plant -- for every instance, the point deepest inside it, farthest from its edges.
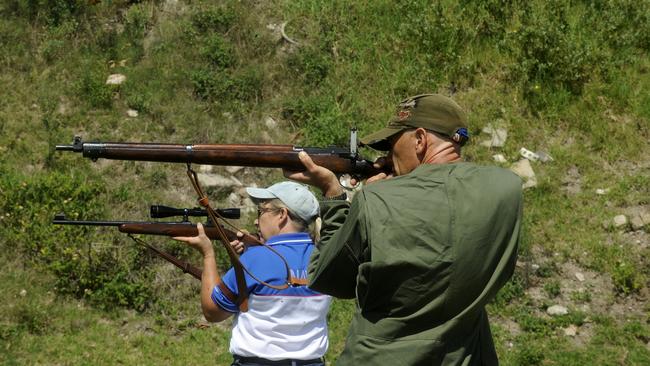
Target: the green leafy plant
(93, 90)
(552, 288)
(218, 52)
(627, 278)
(213, 19)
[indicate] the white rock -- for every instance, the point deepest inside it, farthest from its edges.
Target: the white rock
(571, 331)
(237, 182)
(132, 113)
(23, 292)
(276, 32)
(499, 158)
(115, 79)
(234, 200)
(620, 220)
(270, 123)
(523, 169)
(601, 191)
(234, 169)
(557, 310)
(216, 180)
(534, 267)
(527, 154)
(637, 222)
(248, 206)
(498, 136)
(580, 277)
(645, 217)
(544, 157)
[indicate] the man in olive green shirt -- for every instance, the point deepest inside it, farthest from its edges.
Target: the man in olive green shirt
(422, 249)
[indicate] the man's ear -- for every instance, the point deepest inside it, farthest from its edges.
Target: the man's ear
(421, 141)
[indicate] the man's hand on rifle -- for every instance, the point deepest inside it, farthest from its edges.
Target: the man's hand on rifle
(322, 178)
(200, 242)
(315, 175)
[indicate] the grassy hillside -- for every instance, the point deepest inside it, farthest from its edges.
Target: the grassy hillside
(567, 78)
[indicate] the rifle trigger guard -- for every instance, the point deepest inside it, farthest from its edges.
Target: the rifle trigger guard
(344, 182)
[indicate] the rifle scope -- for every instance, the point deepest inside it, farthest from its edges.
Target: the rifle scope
(159, 211)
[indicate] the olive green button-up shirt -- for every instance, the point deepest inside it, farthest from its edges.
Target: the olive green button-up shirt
(422, 253)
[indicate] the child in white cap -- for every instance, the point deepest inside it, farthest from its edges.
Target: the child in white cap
(286, 326)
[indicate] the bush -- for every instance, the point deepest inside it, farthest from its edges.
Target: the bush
(320, 119)
(227, 86)
(626, 278)
(102, 274)
(623, 24)
(50, 12)
(213, 19)
(313, 65)
(218, 52)
(551, 55)
(93, 90)
(513, 289)
(552, 288)
(434, 32)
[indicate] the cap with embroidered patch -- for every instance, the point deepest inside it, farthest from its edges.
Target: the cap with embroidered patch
(297, 197)
(433, 112)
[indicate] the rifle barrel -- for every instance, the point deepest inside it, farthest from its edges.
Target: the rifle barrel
(159, 228)
(338, 160)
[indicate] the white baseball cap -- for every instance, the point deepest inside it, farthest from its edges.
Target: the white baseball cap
(297, 197)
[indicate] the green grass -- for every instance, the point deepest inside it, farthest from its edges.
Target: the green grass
(563, 77)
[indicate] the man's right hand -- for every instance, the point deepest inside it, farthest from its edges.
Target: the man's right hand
(315, 175)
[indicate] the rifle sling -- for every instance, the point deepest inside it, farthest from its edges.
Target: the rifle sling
(238, 267)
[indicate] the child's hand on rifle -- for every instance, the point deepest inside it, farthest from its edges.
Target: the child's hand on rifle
(238, 245)
(200, 242)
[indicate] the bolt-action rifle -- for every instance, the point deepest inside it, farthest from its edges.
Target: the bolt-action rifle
(339, 160)
(171, 229)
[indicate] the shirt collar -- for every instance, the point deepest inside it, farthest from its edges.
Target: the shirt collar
(290, 238)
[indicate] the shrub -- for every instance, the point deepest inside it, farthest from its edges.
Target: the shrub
(626, 278)
(320, 118)
(620, 24)
(218, 52)
(435, 33)
(552, 288)
(513, 289)
(50, 12)
(227, 86)
(213, 19)
(551, 55)
(32, 317)
(93, 90)
(313, 65)
(100, 273)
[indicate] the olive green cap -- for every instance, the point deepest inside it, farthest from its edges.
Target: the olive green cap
(433, 112)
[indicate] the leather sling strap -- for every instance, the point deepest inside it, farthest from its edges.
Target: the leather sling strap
(238, 267)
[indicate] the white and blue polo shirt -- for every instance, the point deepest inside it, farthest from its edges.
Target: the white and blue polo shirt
(279, 324)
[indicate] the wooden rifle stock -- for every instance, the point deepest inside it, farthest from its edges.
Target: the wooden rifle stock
(338, 160)
(170, 229)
